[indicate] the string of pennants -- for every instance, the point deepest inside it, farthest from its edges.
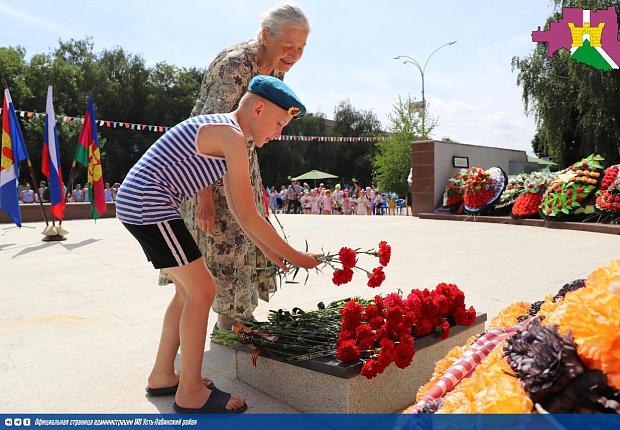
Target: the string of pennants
(161, 129)
(330, 138)
(100, 122)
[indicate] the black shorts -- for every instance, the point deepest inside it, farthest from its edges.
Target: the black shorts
(166, 244)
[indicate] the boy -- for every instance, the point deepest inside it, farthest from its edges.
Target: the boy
(191, 156)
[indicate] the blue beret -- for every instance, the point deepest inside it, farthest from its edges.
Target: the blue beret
(277, 92)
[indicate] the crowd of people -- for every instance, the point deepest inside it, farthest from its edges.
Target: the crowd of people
(78, 194)
(294, 199)
(350, 200)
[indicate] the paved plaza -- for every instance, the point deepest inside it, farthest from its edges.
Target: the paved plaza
(80, 320)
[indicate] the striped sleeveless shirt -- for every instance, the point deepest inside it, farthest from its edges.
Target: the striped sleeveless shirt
(171, 170)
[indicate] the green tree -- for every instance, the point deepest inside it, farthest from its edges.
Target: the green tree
(347, 160)
(392, 161)
(354, 159)
(574, 105)
(281, 159)
(124, 88)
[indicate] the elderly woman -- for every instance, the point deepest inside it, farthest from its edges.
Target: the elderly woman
(241, 270)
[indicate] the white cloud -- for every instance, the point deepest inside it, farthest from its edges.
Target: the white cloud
(33, 20)
(454, 105)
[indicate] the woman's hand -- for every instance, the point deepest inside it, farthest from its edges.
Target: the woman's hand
(205, 211)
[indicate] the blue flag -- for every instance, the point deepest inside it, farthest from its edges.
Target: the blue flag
(13, 151)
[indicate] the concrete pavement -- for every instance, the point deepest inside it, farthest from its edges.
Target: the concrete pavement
(80, 319)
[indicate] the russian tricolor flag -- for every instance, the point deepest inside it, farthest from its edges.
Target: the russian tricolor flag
(51, 159)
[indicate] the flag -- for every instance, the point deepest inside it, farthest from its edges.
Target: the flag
(51, 159)
(13, 151)
(88, 155)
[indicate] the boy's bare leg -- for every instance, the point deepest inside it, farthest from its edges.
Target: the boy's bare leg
(163, 374)
(199, 287)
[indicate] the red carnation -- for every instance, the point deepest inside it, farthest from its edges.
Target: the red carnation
(376, 323)
(346, 335)
(394, 316)
(445, 330)
(441, 302)
(363, 331)
(392, 299)
(404, 352)
(347, 257)
(413, 303)
(465, 317)
(347, 351)
(351, 315)
(376, 278)
(388, 350)
(367, 344)
(373, 367)
(385, 252)
(423, 327)
(343, 276)
(378, 301)
(371, 311)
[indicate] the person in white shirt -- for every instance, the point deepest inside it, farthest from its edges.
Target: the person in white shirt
(115, 188)
(78, 193)
(337, 198)
(107, 192)
(363, 204)
(27, 195)
(315, 207)
(306, 202)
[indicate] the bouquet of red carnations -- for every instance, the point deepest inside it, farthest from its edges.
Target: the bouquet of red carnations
(608, 200)
(482, 188)
(382, 331)
(526, 205)
(344, 263)
(347, 259)
(453, 193)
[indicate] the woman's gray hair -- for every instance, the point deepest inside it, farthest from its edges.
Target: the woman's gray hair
(280, 17)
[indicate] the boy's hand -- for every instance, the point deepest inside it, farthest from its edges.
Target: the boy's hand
(205, 211)
(307, 260)
(205, 218)
(275, 258)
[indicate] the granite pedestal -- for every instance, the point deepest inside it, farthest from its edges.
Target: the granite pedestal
(302, 386)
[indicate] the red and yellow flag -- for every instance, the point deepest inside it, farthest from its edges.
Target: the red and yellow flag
(89, 156)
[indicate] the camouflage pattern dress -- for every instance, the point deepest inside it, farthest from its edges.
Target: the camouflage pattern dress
(231, 256)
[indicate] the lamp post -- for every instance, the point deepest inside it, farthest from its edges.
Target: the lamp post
(411, 60)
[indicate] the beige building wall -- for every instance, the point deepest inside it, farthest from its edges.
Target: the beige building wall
(431, 162)
(482, 156)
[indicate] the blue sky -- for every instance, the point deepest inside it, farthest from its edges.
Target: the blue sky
(469, 86)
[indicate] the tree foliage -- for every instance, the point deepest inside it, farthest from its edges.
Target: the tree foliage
(393, 159)
(347, 160)
(575, 106)
(125, 89)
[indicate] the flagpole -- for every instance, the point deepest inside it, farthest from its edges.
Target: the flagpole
(69, 187)
(32, 176)
(36, 187)
(53, 234)
(73, 164)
